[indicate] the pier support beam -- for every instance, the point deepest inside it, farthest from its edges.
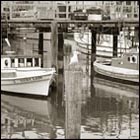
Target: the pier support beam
(93, 56)
(60, 57)
(40, 46)
(115, 42)
(54, 44)
(73, 92)
(57, 43)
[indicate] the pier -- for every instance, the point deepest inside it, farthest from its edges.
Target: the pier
(69, 78)
(57, 28)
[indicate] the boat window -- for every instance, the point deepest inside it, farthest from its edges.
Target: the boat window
(6, 62)
(121, 62)
(133, 59)
(13, 62)
(21, 62)
(128, 58)
(36, 62)
(29, 62)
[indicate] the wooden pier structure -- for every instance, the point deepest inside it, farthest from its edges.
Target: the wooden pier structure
(57, 28)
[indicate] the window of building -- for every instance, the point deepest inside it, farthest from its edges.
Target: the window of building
(135, 15)
(128, 9)
(128, 2)
(118, 2)
(124, 9)
(6, 9)
(118, 9)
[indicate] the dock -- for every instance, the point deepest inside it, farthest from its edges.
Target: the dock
(69, 77)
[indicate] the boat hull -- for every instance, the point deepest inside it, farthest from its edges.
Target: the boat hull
(110, 72)
(38, 85)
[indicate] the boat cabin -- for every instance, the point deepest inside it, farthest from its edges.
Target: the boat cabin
(129, 60)
(14, 61)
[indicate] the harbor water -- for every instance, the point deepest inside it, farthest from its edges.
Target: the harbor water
(110, 111)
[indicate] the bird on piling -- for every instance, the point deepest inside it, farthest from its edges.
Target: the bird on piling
(74, 58)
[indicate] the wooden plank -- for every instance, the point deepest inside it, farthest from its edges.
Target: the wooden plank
(127, 22)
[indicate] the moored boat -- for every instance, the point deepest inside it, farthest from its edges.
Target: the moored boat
(24, 75)
(104, 44)
(125, 68)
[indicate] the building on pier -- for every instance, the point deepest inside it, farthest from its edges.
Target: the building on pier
(62, 10)
(120, 9)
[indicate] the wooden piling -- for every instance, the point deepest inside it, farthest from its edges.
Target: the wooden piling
(115, 42)
(40, 46)
(54, 44)
(73, 91)
(93, 56)
(57, 43)
(60, 57)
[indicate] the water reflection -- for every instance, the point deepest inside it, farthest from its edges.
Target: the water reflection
(30, 117)
(113, 112)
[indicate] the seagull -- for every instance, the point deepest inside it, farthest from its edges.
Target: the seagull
(7, 41)
(24, 38)
(74, 58)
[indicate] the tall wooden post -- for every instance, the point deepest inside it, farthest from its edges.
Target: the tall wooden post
(93, 56)
(54, 44)
(40, 46)
(115, 42)
(57, 42)
(73, 89)
(60, 57)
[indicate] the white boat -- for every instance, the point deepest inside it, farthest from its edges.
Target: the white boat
(24, 75)
(104, 45)
(125, 68)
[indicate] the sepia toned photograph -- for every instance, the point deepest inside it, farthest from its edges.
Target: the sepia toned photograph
(69, 69)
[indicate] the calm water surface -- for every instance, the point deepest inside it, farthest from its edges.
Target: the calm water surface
(109, 112)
